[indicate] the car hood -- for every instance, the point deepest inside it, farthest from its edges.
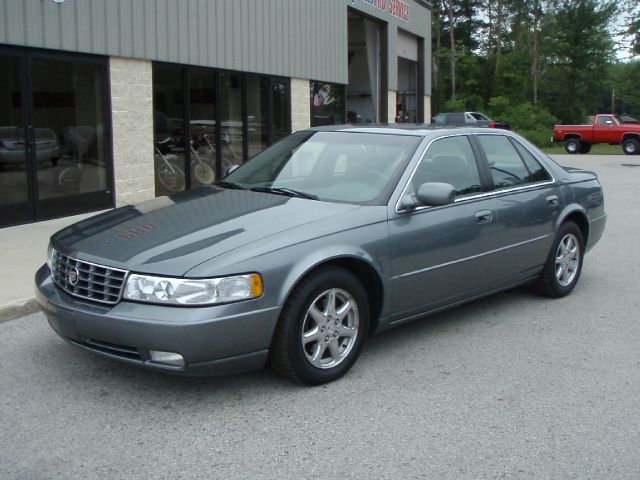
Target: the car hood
(171, 235)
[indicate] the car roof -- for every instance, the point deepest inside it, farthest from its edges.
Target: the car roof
(421, 130)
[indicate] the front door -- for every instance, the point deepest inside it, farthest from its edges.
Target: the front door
(443, 254)
(55, 155)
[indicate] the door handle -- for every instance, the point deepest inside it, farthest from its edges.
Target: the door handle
(552, 200)
(483, 216)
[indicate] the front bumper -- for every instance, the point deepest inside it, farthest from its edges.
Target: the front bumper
(222, 339)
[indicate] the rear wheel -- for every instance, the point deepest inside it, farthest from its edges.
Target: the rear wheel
(564, 263)
(322, 327)
(631, 146)
(572, 145)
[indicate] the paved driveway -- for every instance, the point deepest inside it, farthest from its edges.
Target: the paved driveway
(514, 386)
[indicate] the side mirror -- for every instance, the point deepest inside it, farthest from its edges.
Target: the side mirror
(436, 194)
(429, 195)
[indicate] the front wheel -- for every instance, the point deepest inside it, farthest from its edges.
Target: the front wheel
(564, 263)
(572, 145)
(322, 327)
(631, 146)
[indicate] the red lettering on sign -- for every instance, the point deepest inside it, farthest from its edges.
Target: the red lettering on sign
(399, 9)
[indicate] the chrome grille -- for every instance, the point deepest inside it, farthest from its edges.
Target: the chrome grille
(94, 282)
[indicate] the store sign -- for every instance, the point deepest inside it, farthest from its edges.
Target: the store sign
(399, 9)
(396, 8)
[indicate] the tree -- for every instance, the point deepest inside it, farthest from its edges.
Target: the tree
(577, 48)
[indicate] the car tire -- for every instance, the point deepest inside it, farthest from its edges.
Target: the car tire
(572, 146)
(631, 146)
(322, 327)
(563, 265)
(585, 147)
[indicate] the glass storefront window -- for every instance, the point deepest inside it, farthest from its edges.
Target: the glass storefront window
(257, 114)
(202, 127)
(327, 104)
(229, 116)
(280, 110)
(64, 109)
(169, 129)
(231, 125)
(407, 106)
(14, 188)
(55, 155)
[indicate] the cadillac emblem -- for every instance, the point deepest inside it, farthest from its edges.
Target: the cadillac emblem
(73, 276)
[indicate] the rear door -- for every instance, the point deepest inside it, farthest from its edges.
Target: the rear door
(527, 201)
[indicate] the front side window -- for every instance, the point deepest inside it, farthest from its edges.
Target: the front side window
(449, 160)
(360, 168)
(508, 167)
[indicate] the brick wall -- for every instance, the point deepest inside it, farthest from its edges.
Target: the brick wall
(132, 119)
(300, 104)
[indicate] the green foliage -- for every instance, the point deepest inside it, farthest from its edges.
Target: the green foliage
(498, 106)
(556, 54)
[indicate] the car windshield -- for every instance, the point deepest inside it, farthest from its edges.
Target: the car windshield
(349, 167)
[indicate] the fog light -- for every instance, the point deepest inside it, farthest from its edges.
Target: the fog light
(168, 358)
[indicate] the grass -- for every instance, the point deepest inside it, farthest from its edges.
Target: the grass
(598, 149)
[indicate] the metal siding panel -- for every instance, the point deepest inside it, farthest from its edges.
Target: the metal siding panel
(33, 27)
(202, 32)
(138, 29)
(149, 16)
(162, 30)
(183, 32)
(83, 27)
(51, 13)
(112, 23)
(258, 34)
(97, 25)
(15, 22)
(69, 22)
(193, 8)
(212, 46)
(172, 31)
(220, 32)
(235, 48)
(125, 13)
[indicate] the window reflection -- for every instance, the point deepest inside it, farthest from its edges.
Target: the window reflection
(231, 135)
(327, 104)
(69, 131)
(257, 106)
(169, 134)
(202, 127)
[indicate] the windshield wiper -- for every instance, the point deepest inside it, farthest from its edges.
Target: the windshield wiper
(285, 191)
(234, 186)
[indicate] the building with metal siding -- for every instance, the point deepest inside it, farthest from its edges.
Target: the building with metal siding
(89, 86)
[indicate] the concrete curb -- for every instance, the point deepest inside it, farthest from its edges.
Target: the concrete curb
(17, 309)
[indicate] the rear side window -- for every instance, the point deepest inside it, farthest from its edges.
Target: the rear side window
(537, 173)
(508, 167)
(449, 160)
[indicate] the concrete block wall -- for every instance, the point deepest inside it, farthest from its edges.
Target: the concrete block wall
(132, 121)
(300, 104)
(391, 108)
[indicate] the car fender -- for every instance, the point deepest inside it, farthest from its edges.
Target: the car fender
(326, 255)
(569, 210)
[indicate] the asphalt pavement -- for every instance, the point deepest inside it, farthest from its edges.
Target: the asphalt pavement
(512, 386)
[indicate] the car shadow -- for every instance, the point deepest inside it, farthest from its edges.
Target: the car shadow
(86, 372)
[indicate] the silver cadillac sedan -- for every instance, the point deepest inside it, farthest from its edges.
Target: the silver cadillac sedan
(326, 237)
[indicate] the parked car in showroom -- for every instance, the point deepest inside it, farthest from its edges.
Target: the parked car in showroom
(329, 235)
(467, 119)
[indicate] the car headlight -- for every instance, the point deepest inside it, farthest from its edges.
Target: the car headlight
(192, 291)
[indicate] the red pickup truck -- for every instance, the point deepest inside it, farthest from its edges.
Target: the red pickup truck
(608, 128)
